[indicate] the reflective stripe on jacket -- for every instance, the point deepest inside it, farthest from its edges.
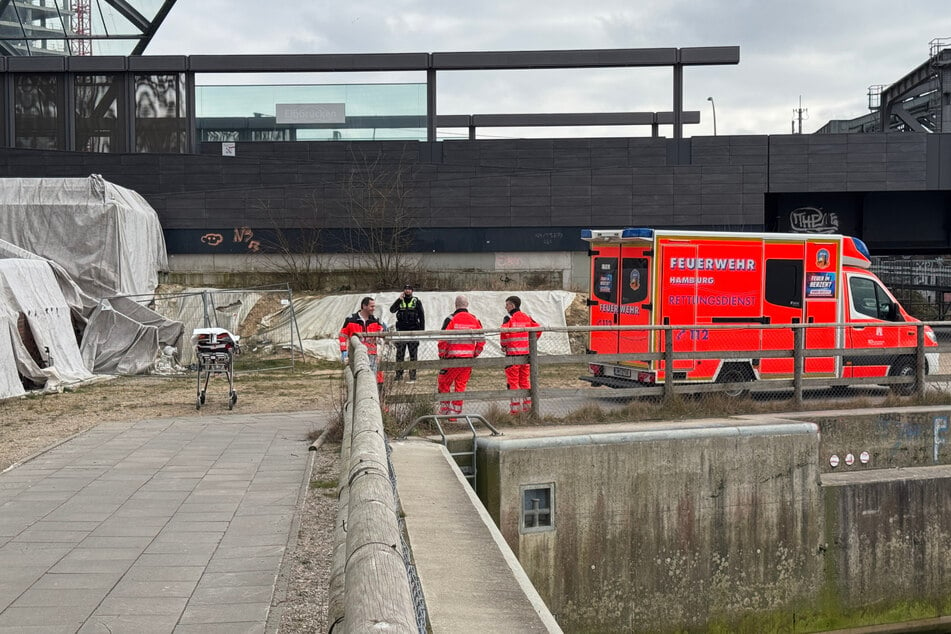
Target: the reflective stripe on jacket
(354, 325)
(409, 314)
(515, 342)
(462, 347)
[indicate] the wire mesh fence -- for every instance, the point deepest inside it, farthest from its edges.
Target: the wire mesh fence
(716, 368)
(243, 312)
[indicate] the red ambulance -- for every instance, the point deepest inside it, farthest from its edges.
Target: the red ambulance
(699, 279)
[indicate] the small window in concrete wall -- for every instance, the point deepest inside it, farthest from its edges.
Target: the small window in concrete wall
(538, 508)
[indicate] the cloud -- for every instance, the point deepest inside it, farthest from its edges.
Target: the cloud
(829, 53)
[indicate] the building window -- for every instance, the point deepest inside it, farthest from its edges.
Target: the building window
(538, 508)
(38, 111)
(161, 115)
(99, 120)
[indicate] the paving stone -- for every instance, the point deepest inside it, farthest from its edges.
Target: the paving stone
(142, 572)
(225, 613)
(175, 525)
(128, 588)
(80, 597)
(69, 581)
(141, 605)
(130, 624)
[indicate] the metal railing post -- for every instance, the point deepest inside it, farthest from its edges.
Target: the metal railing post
(668, 362)
(920, 360)
(533, 371)
(798, 363)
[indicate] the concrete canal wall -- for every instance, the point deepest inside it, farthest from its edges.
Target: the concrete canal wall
(742, 524)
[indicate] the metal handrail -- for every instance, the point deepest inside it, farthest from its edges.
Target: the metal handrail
(448, 417)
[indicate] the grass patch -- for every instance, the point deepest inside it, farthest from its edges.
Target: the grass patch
(323, 484)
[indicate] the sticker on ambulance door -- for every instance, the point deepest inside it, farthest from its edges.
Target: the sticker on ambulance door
(820, 284)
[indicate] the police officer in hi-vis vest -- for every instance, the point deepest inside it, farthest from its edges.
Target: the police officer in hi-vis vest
(409, 316)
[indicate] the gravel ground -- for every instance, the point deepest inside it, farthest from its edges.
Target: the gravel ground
(30, 425)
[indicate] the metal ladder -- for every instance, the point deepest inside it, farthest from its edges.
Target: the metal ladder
(465, 460)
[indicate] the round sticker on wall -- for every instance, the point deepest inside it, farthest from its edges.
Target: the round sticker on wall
(849, 459)
(864, 457)
(834, 461)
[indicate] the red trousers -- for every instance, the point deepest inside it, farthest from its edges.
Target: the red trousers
(518, 377)
(452, 380)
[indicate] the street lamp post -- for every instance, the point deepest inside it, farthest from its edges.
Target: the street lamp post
(714, 107)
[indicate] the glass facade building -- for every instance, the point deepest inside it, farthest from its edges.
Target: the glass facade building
(79, 27)
(91, 112)
(313, 112)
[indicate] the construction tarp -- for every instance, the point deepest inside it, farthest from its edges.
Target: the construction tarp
(107, 237)
(124, 337)
(119, 335)
(319, 320)
(30, 298)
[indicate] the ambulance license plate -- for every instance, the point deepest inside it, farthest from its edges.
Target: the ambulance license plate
(623, 372)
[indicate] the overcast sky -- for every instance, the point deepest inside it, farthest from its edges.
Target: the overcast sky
(827, 52)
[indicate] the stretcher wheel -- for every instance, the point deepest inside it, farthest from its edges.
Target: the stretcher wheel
(201, 397)
(232, 400)
(198, 403)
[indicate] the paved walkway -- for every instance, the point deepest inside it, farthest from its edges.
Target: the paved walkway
(173, 525)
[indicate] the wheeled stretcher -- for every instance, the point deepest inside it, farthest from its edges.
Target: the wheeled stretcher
(215, 349)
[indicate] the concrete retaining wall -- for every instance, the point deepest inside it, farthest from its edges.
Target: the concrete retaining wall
(664, 529)
(888, 534)
(897, 437)
(707, 525)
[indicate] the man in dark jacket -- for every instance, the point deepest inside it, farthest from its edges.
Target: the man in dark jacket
(409, 316)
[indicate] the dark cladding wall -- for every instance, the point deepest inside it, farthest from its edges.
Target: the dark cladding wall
(534, 194)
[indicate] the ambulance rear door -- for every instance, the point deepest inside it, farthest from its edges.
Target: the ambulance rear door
(604, 299)
(621, 289)
(636, 288)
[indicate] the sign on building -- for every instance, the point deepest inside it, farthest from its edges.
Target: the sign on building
(291, 113)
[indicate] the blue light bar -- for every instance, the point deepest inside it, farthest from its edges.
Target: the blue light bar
(586, 234)
(635, 232)
(862, 248)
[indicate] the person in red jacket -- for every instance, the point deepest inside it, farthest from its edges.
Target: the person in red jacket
(359, 323)
(515, 343)
(458, 348)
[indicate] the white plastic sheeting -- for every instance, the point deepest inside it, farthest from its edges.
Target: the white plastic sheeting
(10, 347)
(80, 302)
(106, 237)
(114, 343)
(120, 336)
(319, 320)
(29, 288)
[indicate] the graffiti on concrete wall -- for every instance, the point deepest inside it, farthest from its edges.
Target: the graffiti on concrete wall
(242, 235)
(246, 235)
(940, 434)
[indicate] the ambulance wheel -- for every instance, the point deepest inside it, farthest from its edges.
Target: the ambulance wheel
(904, 367)
(735, 373)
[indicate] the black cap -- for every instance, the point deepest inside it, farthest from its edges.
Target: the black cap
(409, 286)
